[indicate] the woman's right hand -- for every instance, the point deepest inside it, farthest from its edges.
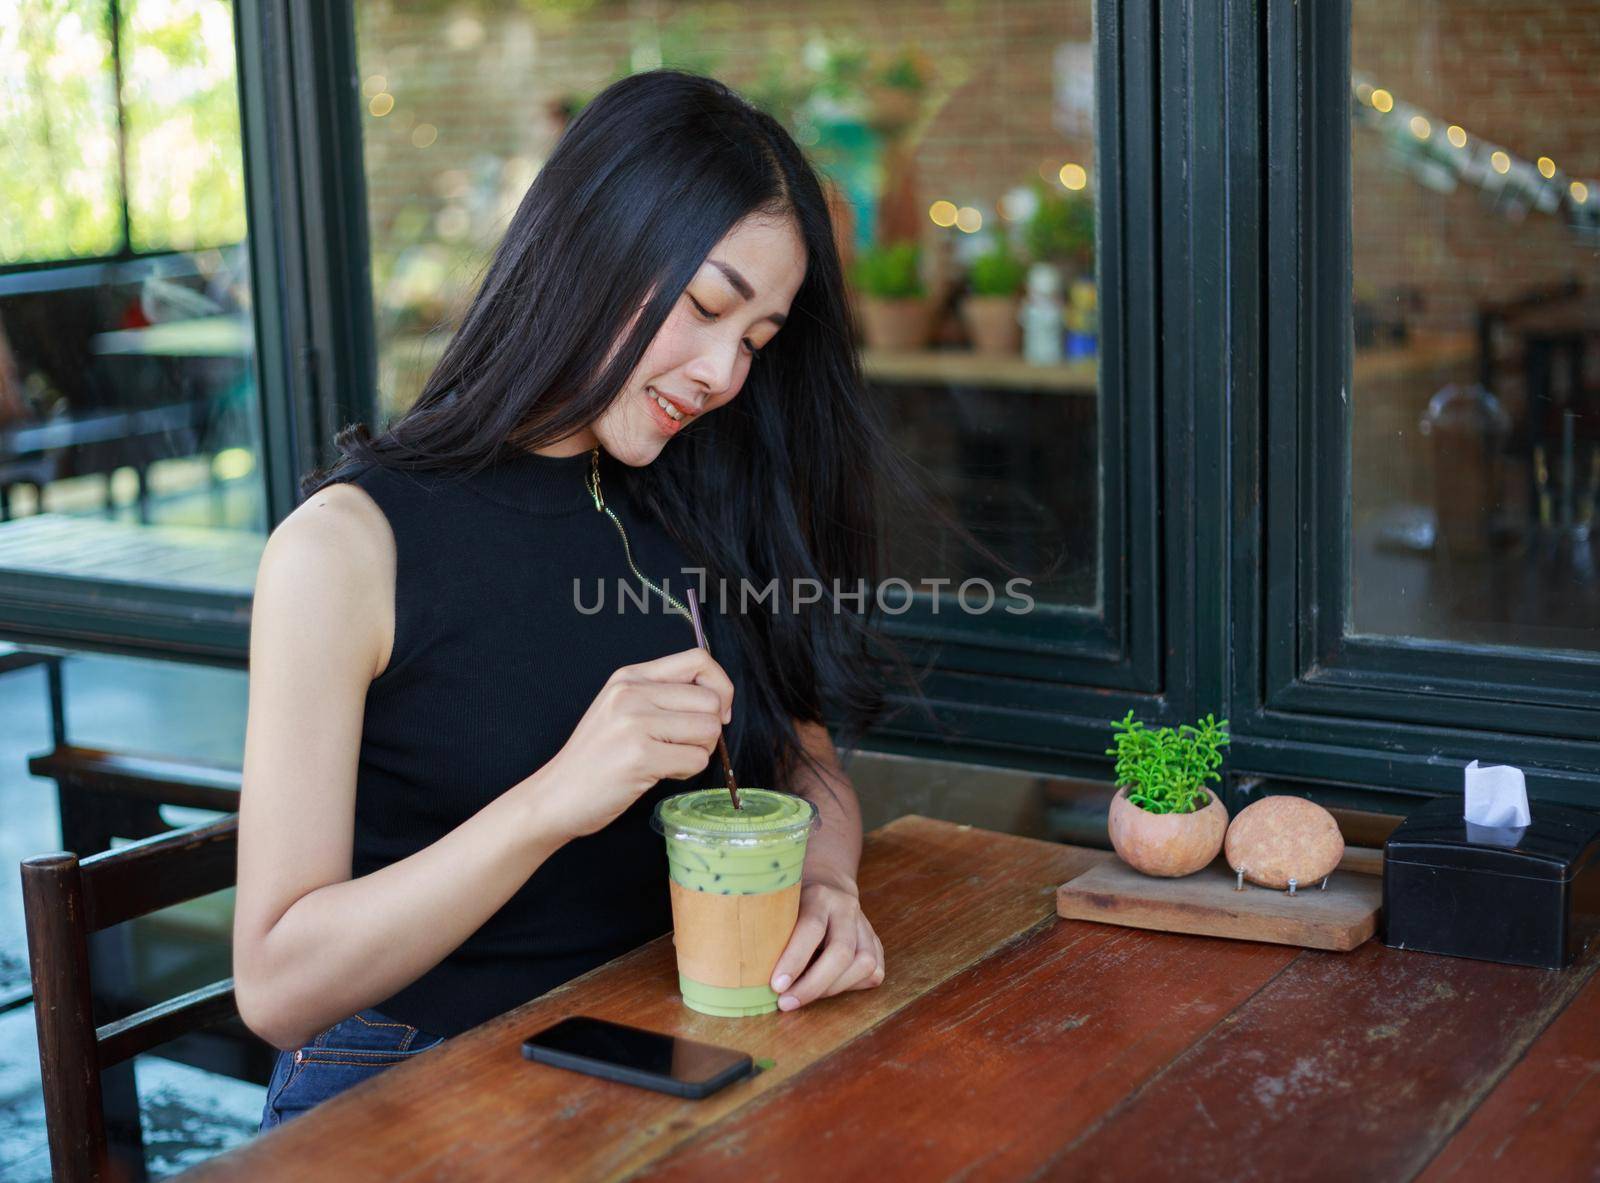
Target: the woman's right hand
(654, 721)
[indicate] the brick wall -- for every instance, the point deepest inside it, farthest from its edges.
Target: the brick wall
(1525, 76)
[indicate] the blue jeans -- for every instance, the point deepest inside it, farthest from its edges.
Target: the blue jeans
(345, 1054)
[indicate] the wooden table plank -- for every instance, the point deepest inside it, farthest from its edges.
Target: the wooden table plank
(1346, 1066)
(941, 896)
(989, 1075)
(1543, 1118)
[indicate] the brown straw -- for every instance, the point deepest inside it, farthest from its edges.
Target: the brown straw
(722, 746)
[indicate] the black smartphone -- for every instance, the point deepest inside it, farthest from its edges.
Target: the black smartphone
(630, 1055)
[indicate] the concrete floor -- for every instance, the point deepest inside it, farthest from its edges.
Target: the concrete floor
(188, 1114)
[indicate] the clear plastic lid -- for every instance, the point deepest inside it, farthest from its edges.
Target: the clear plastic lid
(708, 816)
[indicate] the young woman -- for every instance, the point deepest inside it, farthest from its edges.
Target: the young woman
(451, 756)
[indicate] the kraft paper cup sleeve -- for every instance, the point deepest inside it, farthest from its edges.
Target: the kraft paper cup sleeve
(732, 940)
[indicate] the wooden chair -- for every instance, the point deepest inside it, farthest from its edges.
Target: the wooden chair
(110, 794)
(66, 901)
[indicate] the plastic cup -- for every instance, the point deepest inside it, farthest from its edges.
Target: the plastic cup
(735, 882)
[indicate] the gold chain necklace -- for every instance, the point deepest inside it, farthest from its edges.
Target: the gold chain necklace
(592, 482)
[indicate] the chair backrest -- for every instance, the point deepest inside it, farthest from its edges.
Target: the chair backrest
(65, 900)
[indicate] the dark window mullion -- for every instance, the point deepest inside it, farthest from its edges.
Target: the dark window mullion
(114, 31)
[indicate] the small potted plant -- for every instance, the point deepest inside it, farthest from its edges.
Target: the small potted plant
(1061, 231)
(1163, 819)
(990, 311)
(894, 306)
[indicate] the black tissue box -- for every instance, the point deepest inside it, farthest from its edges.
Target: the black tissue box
(1525, 896)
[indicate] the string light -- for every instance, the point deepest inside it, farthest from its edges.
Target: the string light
(943, 213)
(1421, 127)
(969, 220)
(381, 104)
(1074, 176)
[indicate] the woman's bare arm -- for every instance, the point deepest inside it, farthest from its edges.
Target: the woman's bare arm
(833, 853)
(311, 945)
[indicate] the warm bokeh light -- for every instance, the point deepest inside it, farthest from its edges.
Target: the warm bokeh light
(1420, 127)
(1579, 191)
(943, 213)
(381, 104)
(1047, 171)
(969, 219)
(376, 84)
(1383, 100)
(424, 134)
(1074, 176)
(1547, 167)
(1501, 162)
(232, 463)
(1457, 135)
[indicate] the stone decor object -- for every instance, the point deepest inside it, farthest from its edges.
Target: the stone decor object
(1284, 842)
(1166, 844)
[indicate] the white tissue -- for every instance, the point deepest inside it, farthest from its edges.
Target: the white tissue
(1496, 795)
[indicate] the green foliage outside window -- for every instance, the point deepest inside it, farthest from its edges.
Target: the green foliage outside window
(60, 192)
(58, 132)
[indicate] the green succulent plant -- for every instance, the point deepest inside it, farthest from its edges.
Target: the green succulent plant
(890, 270)
(1165, 769)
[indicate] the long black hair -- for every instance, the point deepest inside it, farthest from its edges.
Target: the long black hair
(783, 483)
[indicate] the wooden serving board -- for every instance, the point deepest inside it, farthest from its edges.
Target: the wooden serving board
(1206, 904)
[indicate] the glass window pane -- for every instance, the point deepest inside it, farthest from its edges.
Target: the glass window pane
(59, 192)
(129, 415)
(181, 110)
(1476, 396)
(959, 145)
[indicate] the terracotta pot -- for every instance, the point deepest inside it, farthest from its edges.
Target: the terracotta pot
(895, 324)
(1166, 844)
(992, 324)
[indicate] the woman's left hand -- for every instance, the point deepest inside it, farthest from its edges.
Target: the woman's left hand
(849, 955)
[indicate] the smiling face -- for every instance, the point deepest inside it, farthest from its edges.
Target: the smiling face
(736, 303)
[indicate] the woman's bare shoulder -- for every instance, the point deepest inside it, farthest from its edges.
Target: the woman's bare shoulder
(339, 543)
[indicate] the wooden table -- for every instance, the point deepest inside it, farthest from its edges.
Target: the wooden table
(1007, 1044)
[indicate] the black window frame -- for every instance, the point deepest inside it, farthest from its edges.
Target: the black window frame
(1116, 645)
(1045, 701)
(311, 307)
(1397, 717)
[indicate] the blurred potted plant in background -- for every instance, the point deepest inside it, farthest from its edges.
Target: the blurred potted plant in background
(894, 306)
(989, 311)
(1061, 230)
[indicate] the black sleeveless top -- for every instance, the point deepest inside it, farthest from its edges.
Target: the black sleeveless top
(496, 657)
